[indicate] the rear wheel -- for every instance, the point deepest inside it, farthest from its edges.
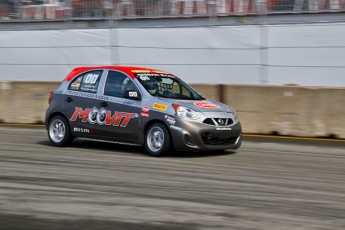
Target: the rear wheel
(157, 140)
(58, 132)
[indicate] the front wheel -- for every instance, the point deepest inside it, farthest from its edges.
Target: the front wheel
(58, 131)
(157, 140)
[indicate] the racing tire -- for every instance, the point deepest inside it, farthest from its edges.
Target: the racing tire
(59, 132)
(157, 140)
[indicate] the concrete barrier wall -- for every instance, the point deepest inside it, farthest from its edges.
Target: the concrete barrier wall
(286, 110)
(24, 102)
(289, 110)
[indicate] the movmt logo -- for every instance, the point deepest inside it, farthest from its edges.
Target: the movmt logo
(103, 117)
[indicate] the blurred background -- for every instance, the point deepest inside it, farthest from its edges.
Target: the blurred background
(258, 56)
(275, 42)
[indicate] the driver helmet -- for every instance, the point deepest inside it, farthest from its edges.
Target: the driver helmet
(152, 87)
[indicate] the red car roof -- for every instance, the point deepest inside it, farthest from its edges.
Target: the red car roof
(126, 69)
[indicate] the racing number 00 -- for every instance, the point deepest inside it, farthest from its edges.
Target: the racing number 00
(91, 78)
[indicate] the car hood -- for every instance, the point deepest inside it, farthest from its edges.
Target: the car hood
(201, 105)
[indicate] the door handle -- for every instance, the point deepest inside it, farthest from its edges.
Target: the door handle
(103, 104)
(69, 99)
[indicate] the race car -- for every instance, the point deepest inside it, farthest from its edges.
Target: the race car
(139, 106)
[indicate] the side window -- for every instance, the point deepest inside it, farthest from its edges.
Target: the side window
(176, 88)
(87, 82)
(185, 92)
(128, 85)
(180, 91)
(75, 85)
(165, 84)
(117, 83)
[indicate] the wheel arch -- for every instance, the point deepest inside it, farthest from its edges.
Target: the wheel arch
(55, 114)
(54, 136)
(146, 127)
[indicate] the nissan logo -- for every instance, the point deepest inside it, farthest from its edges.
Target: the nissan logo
(221, 121)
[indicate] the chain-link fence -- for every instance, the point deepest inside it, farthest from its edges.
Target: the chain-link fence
(84, 9)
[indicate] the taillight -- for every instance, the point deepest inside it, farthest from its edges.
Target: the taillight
(50, 97)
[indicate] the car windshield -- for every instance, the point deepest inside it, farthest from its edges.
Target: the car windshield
(168, 86)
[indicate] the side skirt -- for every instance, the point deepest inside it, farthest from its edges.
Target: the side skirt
(99, 140)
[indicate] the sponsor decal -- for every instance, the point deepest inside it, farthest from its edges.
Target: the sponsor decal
(169, 119)
(145, 108)
(175, 128)
(144, 114)
(144, 75)
(99, 97)
(89, 87)
(103, 117)
(160, 106)
(206, 105)
(82, 94)
(167, 75)
(88, 95)
(133, 94)
(144, 78)
(158, 71)
(128, 103)
(82, 130)
(140, 71)
(75, 84)
(223, 128)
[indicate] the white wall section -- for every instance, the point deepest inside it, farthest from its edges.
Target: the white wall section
(308, 54)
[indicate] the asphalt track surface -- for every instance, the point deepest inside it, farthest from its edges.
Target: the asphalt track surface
(267, 184)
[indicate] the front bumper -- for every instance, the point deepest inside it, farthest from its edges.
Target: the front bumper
(193, 136)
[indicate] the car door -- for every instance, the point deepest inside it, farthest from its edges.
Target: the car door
(119, 116)
(80, 101)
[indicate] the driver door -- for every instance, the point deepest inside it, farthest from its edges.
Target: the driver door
(120, 115)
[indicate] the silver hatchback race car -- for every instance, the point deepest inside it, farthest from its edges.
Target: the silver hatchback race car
(139, 106)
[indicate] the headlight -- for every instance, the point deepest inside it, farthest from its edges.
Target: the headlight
(234, 113)
(185, 112)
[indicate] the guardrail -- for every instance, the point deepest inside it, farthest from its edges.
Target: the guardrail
(262, 109)
(79, 9)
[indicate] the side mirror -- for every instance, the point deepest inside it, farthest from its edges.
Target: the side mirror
(132, 94)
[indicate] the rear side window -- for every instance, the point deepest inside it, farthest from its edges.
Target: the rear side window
(87, 82)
